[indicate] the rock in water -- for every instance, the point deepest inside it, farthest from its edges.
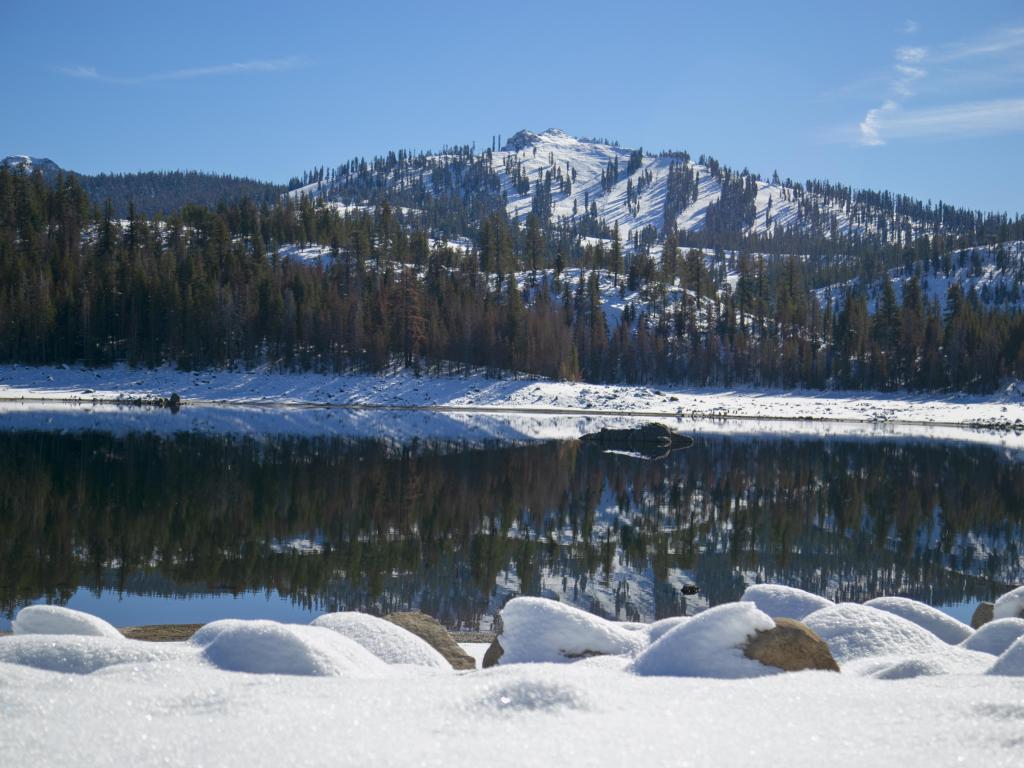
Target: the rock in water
(431, 630)
(646, 436)
(790, 646)
(982, 614)
(493, 654)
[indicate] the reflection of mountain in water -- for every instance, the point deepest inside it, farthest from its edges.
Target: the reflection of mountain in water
(354, 523)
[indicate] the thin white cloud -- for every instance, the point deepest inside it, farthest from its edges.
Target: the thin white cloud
(234, 68)
(980, 118)
(944, 66)
(910, 27)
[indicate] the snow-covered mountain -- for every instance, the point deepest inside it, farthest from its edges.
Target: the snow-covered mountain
(596, 185)
(29, 164)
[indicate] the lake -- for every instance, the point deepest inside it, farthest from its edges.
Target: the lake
(145, 517)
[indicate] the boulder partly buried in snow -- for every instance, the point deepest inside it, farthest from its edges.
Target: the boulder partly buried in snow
(55, 620)
(982, 615)
(785, 602)
(267, 647)
(1010, 605)
(536, 629)
(711, 644)
(995, 636)
(434, 634)
(384, 639)
(941, 625)
(791, 647)
(854, 631)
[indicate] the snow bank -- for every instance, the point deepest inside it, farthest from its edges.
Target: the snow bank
(1011, 662)
(941, 625)
(784, 602)
(1010, 605)
(56, 620)
(709, 645)
(81, 654)
(854, 631)
(267, 647)
(942, 660)
(995, 637)
(535, 629)
(388, 642)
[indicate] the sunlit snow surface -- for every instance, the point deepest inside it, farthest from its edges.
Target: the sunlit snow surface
(313, 697)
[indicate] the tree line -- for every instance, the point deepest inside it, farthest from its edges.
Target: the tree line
(208, 287)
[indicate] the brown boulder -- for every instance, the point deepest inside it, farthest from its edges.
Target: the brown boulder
(493, 654)
(431, 630)
(790, 646)
(982, 615)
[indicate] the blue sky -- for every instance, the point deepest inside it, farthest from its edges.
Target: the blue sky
(925, 98)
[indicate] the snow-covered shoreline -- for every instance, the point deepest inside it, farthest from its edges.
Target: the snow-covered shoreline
(402, 389)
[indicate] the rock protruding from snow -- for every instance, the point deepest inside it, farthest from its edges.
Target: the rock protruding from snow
(855, 631)
(791, 647)
(784, 602)
(1010, 605)
(982, 615)
(267, 647)
(711, 644)
(82, 654)
(536, 629)
(1011, 662)
(56, 620)
(384, 639)
(942, 625)
(995, 636)
(430, 630)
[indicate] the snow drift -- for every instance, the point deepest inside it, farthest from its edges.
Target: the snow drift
(941, 625)
(55, 620)
(784, 602)
(388, 642)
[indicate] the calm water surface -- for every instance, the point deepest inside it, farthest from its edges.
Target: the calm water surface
(144, 528)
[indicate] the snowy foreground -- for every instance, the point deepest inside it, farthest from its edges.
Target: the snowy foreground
(402, 389)
(915, 688)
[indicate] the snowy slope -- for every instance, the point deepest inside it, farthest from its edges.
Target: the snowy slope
(995, 273)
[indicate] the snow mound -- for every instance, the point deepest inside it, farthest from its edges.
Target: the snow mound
(1011, 662)
(535, 629)
(658, 629)
(81, 654)
(56, 620)
(944, 660)
(854, 631)
(784, 602)
(709, 645)
(1010, 605)
(941, 625)
(995, 637)
(388, 642)
(267, 647)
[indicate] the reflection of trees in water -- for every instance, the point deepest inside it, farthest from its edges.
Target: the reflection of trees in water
(438, 529)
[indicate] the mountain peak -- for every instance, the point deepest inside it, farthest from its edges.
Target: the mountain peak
(29, 164)
(524, 138)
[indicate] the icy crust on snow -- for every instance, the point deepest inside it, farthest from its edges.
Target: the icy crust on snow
(267, 647)
(784, 602)
(709, 645)
(536, 629)
(853, 631)
(388, 642)
(1011, 662)
(57, 620)
(941, 625)
(995, 636)
(1010, 605)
